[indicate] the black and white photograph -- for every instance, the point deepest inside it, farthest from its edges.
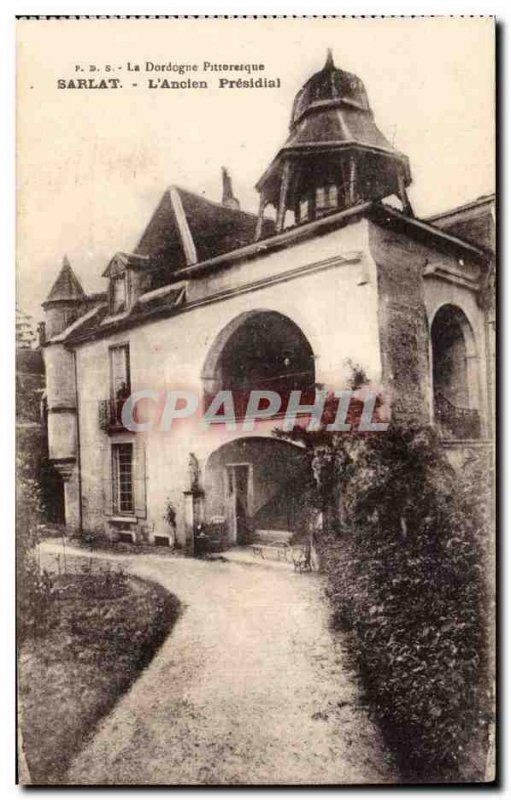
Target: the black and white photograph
(256, 401)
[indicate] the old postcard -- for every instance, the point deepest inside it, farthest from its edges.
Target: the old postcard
(255, 343)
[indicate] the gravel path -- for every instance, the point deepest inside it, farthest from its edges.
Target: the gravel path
(251, 687)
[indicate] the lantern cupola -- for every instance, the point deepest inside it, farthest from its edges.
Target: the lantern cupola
(335, 156)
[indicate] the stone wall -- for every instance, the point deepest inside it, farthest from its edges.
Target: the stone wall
(403, 323)
(327, 287)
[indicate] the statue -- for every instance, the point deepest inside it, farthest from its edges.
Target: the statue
(193, 473)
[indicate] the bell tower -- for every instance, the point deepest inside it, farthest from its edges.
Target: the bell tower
(335, 156)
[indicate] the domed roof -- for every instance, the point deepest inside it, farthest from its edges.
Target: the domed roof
(329, 87)
(333, 140)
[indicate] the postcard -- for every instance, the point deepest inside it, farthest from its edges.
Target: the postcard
(255, 349)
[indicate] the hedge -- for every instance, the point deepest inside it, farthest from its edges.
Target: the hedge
(406, 551)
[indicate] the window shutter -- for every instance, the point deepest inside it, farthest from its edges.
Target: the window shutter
(108, 508)
(139, 478)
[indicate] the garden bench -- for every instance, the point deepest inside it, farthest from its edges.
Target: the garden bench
(276, 551)
(298, 555)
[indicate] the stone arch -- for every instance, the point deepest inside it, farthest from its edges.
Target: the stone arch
(257, 484)
(260, 349)
(455, 372)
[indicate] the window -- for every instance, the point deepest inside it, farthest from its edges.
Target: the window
(119, 294)
(320, 198)
(326, 198)
(304, 210)
(122, 479)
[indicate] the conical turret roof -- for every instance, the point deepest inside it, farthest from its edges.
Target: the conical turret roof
(67, 287)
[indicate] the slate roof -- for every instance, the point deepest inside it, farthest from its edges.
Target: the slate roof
(95, 322)
(171, 298)
(329, 84)
(122, 260)
(332, 108)
(334, 127)
(474, 222)
(331, 114)
(215, 229)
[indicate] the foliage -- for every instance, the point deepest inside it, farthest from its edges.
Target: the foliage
(34, 588)
(108, 628)
(404, 548)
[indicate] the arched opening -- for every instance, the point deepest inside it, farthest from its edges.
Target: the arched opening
(262, 350)
(256, 487)
(455, 381)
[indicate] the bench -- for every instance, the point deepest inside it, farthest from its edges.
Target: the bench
(298, 555)
(275, 551)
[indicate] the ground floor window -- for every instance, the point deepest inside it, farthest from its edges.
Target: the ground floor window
(122, 475)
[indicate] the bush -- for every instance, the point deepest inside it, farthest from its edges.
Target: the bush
(34, 589)
(405, 551)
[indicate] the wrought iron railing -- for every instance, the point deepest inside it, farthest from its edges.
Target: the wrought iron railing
(282, 385)
(461, 423)
(110, 415)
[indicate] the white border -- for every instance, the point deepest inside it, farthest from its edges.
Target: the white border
(8, 10)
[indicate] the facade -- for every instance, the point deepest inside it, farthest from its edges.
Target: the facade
(215, 298)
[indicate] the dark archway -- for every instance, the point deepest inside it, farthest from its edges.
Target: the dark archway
(258, 485)
(262, 350)
(455, 380)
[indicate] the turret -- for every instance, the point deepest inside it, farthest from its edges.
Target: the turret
(64, 300)
(335, 156)
(62, 307)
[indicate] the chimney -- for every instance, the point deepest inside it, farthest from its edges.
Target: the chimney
(228, 199)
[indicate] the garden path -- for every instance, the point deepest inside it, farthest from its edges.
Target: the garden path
(251, 687)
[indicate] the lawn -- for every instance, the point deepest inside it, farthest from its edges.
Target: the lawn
(105, 629)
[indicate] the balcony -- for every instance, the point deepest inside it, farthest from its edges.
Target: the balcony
(109, 415)
(456, 422)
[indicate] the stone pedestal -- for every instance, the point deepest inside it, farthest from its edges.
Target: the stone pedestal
(194, 516)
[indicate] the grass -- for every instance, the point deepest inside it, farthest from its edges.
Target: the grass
(70, 677)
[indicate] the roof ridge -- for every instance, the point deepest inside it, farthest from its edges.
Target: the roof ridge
(216, 203)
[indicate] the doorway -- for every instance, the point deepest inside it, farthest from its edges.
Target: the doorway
(239, 496)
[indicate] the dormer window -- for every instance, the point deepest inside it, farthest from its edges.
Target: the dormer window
(128, 278)
(119, 294)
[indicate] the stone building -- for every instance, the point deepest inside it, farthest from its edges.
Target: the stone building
(216, 298)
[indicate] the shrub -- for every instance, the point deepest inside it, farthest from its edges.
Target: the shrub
(404, 547)
(34, 589)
